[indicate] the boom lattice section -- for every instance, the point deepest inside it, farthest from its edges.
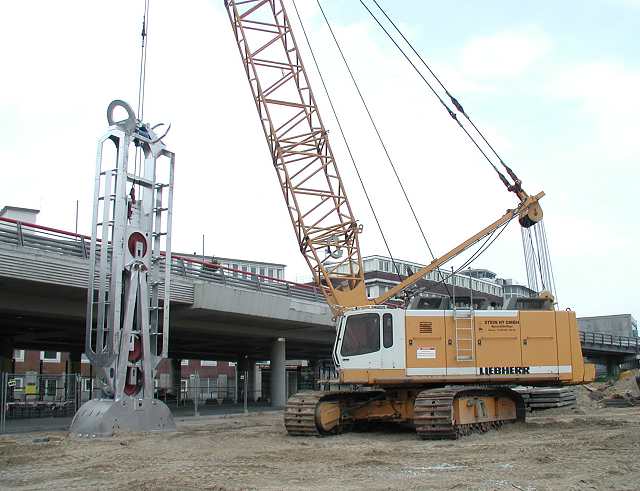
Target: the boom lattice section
(324, 224)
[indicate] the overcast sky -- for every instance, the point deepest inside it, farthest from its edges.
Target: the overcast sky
(554, 84)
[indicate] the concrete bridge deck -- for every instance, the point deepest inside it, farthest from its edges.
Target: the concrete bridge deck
(222, 314)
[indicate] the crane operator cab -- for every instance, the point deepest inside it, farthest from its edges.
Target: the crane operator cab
(392, 346)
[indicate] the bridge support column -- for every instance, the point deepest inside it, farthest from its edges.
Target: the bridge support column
(175, 379)
(6, 355)
(278, 373)
(613, 367)
(257, 382)
(314, 368)
(247, 368)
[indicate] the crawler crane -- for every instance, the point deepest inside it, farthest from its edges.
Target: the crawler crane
(447, 370)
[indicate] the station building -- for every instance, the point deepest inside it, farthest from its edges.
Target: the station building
(240, 268)
(381, 274)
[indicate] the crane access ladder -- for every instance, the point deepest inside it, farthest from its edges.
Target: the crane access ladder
(464, 327)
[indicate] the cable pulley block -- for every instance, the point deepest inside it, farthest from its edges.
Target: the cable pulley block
(531, 215)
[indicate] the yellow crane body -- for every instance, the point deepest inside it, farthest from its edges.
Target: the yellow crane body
(459, 346)
(448, 372)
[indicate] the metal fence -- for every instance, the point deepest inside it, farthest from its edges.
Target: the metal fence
(599, 338)
(208, 390)
(69, 244)
(32, 396)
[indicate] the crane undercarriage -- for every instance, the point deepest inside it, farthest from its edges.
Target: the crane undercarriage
(436, 413)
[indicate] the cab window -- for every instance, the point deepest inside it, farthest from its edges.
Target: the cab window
(387, 330)
(362, 335)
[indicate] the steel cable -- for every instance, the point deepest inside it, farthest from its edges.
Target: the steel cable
(453, 99)
(444, 104)
(142, 78)
(539, 253)
(344, 138)
(375, 127)
(481, 250)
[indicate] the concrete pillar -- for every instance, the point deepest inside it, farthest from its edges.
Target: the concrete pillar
(175, 379)
(314, 369)
(257, 382)
(247, 366)
(236, 382)
(6, 355)
(613, 367)
(278, 373)
(251, 380)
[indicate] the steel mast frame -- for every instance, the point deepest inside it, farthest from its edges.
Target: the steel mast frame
(324, 224)
(127, 327)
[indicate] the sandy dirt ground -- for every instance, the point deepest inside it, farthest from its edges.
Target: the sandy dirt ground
(582, 448)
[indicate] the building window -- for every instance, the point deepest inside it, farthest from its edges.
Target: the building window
(50, 387)
(50, 356)
(208, 363)
(235, 268)
(19, 383)
(184, 363)
(18, 355)
(86, 385)
(270, 274)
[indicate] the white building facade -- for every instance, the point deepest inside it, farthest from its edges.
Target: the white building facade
(381, 274)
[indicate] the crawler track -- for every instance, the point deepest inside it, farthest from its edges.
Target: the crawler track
(323, 413)
(433, 412)
(300, 413)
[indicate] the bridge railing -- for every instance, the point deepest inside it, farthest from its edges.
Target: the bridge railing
(609, 340)
(43, 238)
(216, 273)
(66, 243)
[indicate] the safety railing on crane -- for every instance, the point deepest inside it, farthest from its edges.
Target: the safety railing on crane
(56, 241)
